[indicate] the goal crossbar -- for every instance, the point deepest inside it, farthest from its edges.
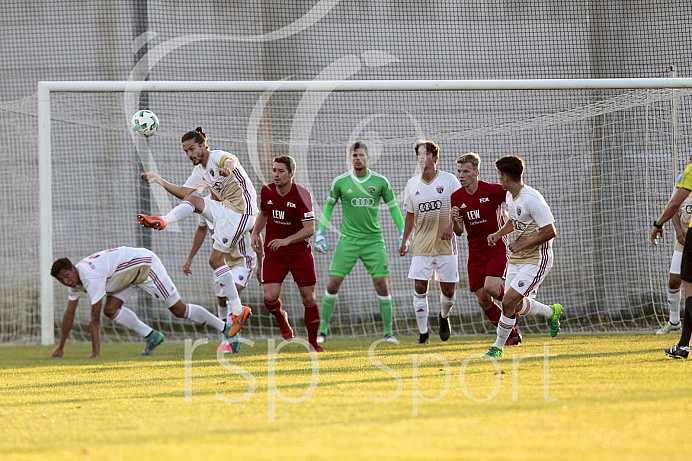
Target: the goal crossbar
(45, 88)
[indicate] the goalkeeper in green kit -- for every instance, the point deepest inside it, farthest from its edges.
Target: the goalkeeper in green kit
(360, 191)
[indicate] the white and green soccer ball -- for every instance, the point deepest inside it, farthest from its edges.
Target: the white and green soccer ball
(145, 123)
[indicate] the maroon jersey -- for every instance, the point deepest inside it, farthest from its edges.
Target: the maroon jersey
(482, 214)
(285, 214)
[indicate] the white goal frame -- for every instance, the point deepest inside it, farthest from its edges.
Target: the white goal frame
(46, 88)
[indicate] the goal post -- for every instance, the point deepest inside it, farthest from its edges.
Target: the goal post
(456, 130)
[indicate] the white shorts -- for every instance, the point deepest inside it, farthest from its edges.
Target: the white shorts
(445, 267)
(229, 226)
(242, 260)
(526, 278)
(158, 284)
(676, 263)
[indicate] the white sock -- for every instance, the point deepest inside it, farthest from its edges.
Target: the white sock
(533, 307)
(182, 211)
(225, 278)
(420, 305)
(222, 312)
(504, 327)
(446, 304)
(201, 315)
(674, 305)
(129, 319)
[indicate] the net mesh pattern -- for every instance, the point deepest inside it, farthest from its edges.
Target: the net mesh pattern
(604, 160)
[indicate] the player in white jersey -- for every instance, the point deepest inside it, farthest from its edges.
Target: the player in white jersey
(531, 253)
(116, 274)
(681, 222)
(242, 260)
(233, 214)
(434, 249)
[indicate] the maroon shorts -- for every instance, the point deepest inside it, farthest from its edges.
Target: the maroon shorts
(482, 265)
(275, 267)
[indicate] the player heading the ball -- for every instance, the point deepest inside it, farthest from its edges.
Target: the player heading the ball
(232, 215)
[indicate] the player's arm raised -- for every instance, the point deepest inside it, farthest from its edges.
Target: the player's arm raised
(227, 166)
(66, 327)
(173, 189)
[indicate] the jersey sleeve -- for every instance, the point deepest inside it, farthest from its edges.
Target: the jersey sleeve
(95, 288)
(332, 198)
(306, 212)
(408, 199)
(454, 183)
(541, 211)
(685, 179)
(263, 198)
(499, 194)
(195, 182)
(219, 157)
(73, 294)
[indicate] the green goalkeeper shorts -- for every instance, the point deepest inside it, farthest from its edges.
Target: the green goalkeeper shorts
(349, 250)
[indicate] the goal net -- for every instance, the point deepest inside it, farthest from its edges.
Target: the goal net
(605, 160)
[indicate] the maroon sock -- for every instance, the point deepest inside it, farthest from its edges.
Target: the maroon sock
(275, 308)
(312, 322)
(493, 313)
(502, 293)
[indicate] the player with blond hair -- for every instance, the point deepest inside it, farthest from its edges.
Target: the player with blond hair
(477, 209)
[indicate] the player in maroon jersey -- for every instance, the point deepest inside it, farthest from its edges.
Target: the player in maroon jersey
(286, 211)
(477, 207)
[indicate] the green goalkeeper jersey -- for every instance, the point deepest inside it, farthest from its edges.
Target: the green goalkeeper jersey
(360, 199)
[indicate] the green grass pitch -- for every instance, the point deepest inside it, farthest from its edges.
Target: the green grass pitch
(596, 397)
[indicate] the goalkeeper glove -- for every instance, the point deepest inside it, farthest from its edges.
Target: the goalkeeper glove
(320, 242)
(401, 238)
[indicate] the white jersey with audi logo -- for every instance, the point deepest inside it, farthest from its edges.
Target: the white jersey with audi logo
(529, 212)
(430, 203)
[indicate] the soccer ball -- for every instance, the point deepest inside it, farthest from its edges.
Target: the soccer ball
(145, 123)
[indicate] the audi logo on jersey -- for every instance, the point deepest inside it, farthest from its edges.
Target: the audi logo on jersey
(518, 225)
(430, 206)
(362, 201)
